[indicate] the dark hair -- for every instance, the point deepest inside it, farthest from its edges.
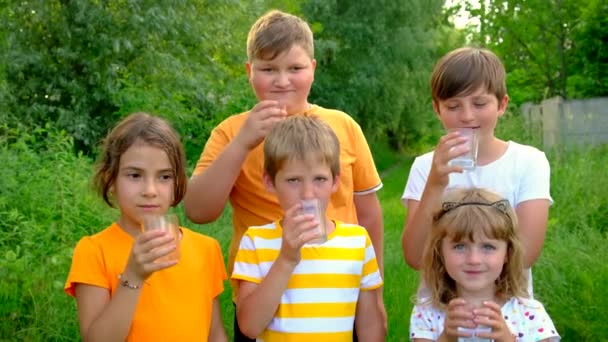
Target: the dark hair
(463, 71)
(148, 129)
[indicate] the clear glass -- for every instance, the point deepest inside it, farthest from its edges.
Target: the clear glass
(168, 222)
(467, 161)
(314, 207)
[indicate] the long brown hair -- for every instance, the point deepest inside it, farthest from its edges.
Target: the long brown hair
(151, 130)
(463, 214)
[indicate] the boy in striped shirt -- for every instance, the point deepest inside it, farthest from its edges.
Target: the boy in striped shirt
(289, 289)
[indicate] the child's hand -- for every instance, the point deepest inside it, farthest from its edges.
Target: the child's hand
(148, 247)
(298, 229)
(450, 146)
(457, 315)
(262, 117)
(491, 316)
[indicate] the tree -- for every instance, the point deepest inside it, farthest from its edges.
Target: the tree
(549, 48)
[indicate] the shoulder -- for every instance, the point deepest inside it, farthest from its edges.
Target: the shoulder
(198, 238)
(231, 123)
(105, 237)
(334, 117)
(525, 307)
(521, 151)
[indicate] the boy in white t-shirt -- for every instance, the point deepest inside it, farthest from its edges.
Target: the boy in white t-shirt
(468, 90)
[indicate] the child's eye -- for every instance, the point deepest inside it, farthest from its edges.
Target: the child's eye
(458, 246)
(320, 179)
(133, 175)
(266, 69)
(452, 107)
(292, 180)
(480, 104)
(488, 247)
(297, 68)
(167, 176)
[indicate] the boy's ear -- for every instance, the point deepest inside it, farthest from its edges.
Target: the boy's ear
(502, 105)
(248, 68)
(268, 182)
(336, 184)
(436, 107)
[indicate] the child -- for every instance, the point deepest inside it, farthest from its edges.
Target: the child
(473, 266)
(281, 69)
(123, 290)
(468, 90)
(291, 290)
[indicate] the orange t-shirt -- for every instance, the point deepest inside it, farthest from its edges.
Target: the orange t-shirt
(175, 303)
(253, 205)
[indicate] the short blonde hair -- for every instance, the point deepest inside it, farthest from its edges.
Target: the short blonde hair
(464, 213)
(464, 70)
(276, 32)
(301, 137)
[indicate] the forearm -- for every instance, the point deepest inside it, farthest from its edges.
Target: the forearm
(257, 308)
(532, 217)
(217, 333)
(208, 191)
(114, 322)
(369, 317)
(418, 224)
(369, 215)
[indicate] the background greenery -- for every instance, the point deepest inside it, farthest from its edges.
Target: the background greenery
(70, 69)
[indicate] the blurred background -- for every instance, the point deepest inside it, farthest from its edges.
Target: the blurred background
(69, 70)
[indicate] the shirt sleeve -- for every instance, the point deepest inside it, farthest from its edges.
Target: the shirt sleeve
(247, 262)
(371, 278)
(365, 175)
(535, 178)
(218, 139)
(536, 324)
(416, 181)
(87, 267)
(219, 269)
(426, 322)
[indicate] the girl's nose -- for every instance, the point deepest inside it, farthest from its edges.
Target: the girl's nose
(150, 188)
(473, 256)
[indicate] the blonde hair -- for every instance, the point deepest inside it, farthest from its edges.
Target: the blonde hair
(464, 70)
(465, 213)
(150, 130)
(301, 137)
(276, 32)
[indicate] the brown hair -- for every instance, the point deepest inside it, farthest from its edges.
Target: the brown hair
(464, 70)
(301, 137)
(464, 213)
(151, 130)
(276, 32)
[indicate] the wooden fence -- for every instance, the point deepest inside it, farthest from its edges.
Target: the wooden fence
(568, 123)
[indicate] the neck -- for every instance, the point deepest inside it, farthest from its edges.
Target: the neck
(477, 297)
(489, 151)
(300, 109)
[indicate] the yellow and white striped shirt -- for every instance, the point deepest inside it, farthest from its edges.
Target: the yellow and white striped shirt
(320, 301)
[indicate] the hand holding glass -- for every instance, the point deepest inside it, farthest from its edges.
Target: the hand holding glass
(313, 207)
(467, 161)
(168, 223)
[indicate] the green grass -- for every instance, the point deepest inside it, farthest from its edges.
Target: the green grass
(46, 206)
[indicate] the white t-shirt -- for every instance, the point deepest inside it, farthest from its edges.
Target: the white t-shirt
(526, 319)
(522, 173)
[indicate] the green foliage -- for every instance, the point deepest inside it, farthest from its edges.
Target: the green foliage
(44, 207)
(549, 48)
(374, 61)
(83, 64)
